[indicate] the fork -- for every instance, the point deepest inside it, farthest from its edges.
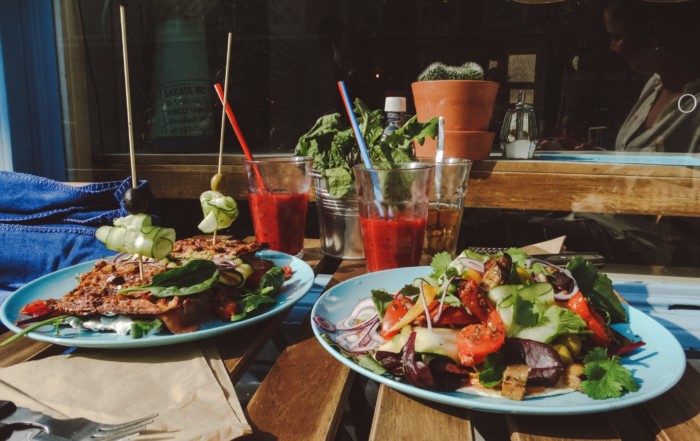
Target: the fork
(76, 429)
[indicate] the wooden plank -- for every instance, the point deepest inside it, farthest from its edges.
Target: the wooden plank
(676, 414)
(25, 349)
(302, 396)
(566, 187)
(562, 186)
(561, 428)
(399, 416)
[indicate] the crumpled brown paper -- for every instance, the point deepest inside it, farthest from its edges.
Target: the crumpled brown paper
(186, 385)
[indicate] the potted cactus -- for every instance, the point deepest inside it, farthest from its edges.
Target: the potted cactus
(465, 100)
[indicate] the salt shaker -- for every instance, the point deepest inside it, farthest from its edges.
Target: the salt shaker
(519, 131)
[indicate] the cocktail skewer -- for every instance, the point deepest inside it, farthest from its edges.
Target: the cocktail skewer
(129, 119)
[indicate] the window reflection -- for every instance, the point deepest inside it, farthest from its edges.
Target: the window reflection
(288, 54)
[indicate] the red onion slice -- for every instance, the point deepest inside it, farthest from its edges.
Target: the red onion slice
(324, 324)
(472, 264)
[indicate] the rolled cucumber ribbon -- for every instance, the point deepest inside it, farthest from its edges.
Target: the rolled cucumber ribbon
(219, 211)
(135, 234)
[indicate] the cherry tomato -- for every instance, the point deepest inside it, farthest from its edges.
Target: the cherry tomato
(396, 309)
(602, 335)
(475, 300)
(227, 309)
(475, 342)
(36, 308)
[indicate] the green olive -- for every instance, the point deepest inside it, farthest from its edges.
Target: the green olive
(572, 343)
(564, 354)
(215, 181)
(135, 200)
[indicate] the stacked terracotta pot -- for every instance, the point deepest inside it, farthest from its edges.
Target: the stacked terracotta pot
(467, 107)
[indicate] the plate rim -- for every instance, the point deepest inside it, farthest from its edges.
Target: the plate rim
(305, 278)
(526, 407)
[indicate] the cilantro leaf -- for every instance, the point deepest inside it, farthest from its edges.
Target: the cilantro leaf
(492, 374)
(606, 378)
(440, 263)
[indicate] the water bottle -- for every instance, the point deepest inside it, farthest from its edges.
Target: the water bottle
(395, 109)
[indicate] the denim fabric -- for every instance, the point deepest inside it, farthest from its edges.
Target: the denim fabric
(46, 225)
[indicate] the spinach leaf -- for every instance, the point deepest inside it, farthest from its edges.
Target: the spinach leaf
(334, 151)
(191, 278)
(269, 284)
(143, 328)
(381, 300)
(251, 302)
(597, 288)
(273, 278)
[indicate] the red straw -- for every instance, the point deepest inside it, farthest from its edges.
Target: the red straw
(234, 122)
(239, 134)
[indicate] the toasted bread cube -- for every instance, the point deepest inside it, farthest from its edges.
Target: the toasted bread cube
(573, 375)
(514, 381)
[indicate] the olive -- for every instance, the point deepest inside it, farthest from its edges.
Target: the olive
(564, 354)
(216, 180)
(572, 343)
(135, 201)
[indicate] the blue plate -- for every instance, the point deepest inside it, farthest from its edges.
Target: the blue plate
(56, 284)
(657, 366)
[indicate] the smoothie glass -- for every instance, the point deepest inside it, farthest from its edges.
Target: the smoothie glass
(446, 206)
(278, 195)
(393, 206)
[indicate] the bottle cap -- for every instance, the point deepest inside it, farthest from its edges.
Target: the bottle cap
(395, 104)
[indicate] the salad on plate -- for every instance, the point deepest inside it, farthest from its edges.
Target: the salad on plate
(504, 325)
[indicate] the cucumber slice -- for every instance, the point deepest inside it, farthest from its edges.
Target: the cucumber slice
(219, 211)
(134, 234)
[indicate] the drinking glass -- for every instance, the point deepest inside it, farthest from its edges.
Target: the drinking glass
(446, 206)
(393, 205)
(278, 195)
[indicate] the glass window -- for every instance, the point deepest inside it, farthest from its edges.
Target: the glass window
(287, 55)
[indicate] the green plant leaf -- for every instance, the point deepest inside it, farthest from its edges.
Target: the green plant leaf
(191, 278)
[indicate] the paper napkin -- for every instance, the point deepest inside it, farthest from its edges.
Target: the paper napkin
(186, 385)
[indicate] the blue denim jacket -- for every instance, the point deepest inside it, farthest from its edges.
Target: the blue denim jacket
(46, 225)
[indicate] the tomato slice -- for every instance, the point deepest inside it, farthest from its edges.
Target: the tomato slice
(475, 342)
(475, 300)
(36, 308)
(451, 315)
(602, 335)
(394, 312)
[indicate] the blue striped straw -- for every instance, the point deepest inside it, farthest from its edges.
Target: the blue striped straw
(361, 143)
(355, 126)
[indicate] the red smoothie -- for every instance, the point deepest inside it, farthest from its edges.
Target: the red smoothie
(279, 220)
(392, 243)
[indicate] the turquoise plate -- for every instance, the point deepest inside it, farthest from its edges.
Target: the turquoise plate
(56, 284)
(657, 366)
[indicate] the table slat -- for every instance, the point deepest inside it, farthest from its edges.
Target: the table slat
(301, 397)
(561, 428)
(399, 416)
(676, 414)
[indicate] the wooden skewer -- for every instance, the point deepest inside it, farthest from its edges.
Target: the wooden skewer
(129, 119)
(223, 110)
(223, 117)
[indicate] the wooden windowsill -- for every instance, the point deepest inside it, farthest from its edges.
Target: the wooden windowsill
(526, 185)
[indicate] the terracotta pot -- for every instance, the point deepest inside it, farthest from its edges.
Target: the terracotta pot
(474, 145)
(465, 104)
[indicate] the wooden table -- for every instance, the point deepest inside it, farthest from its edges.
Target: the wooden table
(303, 397)
(307, 392)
